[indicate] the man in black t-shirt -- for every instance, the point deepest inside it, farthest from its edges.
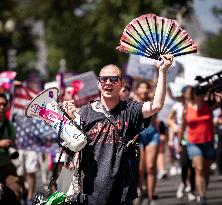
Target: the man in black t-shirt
(107, 176)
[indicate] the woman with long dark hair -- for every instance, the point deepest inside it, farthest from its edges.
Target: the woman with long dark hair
(198, 121)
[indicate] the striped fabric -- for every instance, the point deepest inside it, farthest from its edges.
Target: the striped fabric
(22, 96)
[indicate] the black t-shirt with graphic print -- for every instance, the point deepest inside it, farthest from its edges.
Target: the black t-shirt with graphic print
(106, 168)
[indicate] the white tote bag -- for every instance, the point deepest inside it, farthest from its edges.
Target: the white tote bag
(70, 180)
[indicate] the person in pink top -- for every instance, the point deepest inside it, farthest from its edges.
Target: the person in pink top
(198, 121)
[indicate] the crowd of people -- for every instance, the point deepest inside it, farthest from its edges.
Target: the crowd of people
(178, 135)
(191, 133)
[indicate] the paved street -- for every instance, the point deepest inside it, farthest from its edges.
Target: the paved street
(167, 192)
(166, 189)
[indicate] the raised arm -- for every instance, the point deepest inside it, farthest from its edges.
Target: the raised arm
(150, 108)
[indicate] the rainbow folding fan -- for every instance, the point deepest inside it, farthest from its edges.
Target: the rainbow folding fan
(151, 36)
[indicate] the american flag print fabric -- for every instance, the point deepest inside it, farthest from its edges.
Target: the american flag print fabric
(31, 134)
(36, 135)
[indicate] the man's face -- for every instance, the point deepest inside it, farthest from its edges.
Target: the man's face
(3, 105)
(109, 82)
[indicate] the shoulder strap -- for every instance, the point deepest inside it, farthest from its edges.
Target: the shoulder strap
(109, 116)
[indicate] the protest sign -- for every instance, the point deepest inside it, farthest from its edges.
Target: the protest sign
(89, 89)
(177, 86)
(141, 67)
(187, 66)
(89, 80)
(198, 66)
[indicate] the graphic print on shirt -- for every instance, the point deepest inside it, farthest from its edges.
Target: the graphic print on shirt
(107, 131)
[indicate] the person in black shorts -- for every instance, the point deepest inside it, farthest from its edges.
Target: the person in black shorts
(105, 160)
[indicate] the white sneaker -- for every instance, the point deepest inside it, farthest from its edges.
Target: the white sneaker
(180, 191)
(173, 171)
(213, 166)
(187, 189)
(162, 174)
(137, 201)
(191, 196)
(153, 202)
(179, 170)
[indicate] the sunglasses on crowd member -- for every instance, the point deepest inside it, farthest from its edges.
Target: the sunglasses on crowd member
(112, 79)
(4, 104)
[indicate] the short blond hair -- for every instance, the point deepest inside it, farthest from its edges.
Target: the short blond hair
(112, 66)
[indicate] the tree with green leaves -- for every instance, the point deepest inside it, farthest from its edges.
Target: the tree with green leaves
(84, 32)
(212, 45)
(15, 34)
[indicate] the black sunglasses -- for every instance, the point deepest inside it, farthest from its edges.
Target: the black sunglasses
(4, 104)
(112, 79)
